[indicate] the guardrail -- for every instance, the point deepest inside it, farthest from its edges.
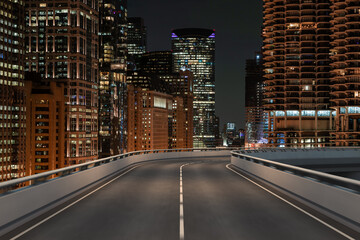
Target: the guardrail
(336, 181)
(288, 149)
(50, 189)
(43, 177)
(334, 196)
(50, 175)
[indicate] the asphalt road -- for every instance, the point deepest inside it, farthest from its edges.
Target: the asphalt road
(218, 204)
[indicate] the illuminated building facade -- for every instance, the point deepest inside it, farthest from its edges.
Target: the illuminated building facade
(345, 88)
(149, 119)
(181, 87)
(176, 89)
(62, 46)
(12, 98)
(218, 135)
(194, 50)
(112, 87)
(254, 89)
(45, 121)
(156, 69)
(136, 41)
(296, 47)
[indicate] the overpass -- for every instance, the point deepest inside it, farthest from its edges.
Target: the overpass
(186, 194)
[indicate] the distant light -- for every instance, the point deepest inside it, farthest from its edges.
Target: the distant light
(174, 35)
(212, 35)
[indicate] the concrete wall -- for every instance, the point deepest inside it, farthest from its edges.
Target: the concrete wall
(305, 156)
(341, 205)
(24, 205)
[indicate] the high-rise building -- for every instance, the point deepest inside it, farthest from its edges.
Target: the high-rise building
(156, 68)
(218, 135)
(112, 88)
(12, 98)
(254, 89)
(228, 134)
(345, 83)
(147, 81)
(194, 50)
(148, 96)
(45, 121)
(150, 113)
(136, 41)
(62, 45)
(150, 116)
(158, 62)
(181, 87)
(296, 48)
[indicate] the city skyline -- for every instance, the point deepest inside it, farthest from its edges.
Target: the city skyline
(172, 119)
(236, 40)
(307, 84)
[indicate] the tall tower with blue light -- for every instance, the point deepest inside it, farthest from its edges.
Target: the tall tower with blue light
(194, 49)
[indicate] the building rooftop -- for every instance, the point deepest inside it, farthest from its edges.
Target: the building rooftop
(193, 32)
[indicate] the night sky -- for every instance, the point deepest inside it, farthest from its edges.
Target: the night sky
(238, 37)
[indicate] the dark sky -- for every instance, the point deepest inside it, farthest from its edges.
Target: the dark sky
(238, 28)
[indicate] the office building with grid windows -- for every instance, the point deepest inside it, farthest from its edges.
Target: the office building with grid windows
(12, 94)
(112, 84)
(194, 49)
(62, 45)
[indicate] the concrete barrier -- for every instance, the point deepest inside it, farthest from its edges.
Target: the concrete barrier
(306, 156)
(334, 202)
(21, 206)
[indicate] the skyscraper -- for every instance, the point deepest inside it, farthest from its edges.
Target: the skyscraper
(345, 88)
(150, 117)
(158, 62)
(45, 124)
(157, 67)
(153, 99)
(254, 89)
(136, 41)
(112, 89)
(194, 50)
(296, 51)
(62, 46)
(181, 87)
(12, 98)
(149, 112)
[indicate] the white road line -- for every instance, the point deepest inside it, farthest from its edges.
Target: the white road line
(293, 205)
(181, 220)
(63, 209)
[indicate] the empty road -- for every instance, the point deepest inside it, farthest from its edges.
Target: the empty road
(146, 202)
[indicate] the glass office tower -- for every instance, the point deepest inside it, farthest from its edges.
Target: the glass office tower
(136, 41)
(254, 90)
(12, 99)
(194, 50)
(112, 88)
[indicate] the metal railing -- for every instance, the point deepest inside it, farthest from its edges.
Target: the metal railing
(289, 149)
(27, 181)
(325, 178)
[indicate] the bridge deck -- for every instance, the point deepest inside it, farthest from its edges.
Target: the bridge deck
(144, 204)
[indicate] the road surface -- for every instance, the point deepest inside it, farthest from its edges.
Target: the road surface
(145, 203)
